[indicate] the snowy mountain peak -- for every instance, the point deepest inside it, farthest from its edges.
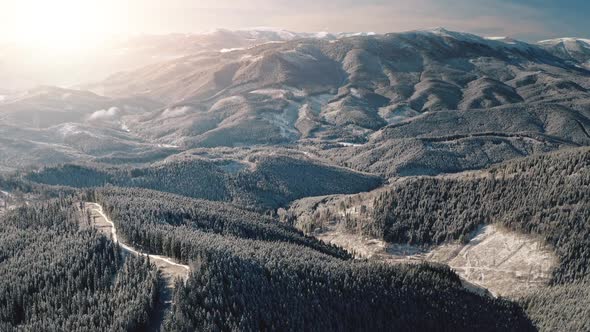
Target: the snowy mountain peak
(565, 40)
(574, 49)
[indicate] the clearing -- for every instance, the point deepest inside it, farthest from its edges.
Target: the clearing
(503, 262)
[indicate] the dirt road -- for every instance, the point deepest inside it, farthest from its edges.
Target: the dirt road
(169, 269)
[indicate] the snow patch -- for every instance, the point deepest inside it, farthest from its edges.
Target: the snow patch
(285, 120)
(356, 93)
(397, 114)
(274, 93)
(69, 129)
(348, 144)
(505, 40)
(233, 100)
(503, 262)
(168, 146)
(564, 39)
(298, 58)
(227, 50)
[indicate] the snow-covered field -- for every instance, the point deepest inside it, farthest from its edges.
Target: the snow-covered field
(505, 263)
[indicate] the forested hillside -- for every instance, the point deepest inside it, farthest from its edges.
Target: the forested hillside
(275, 180)
(138, 213)
(544, 195)
(547, 195)
(56, 277)
(259, 275)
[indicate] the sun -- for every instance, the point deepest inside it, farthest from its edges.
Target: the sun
(58, 25)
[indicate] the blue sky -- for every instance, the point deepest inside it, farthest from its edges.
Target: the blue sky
(525, 19)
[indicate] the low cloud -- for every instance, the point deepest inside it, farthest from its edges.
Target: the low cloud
(104, 115)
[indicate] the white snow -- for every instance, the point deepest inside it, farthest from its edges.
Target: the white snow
(503, 262)
(305, 112)
(168, 146)
(283, 122)
(233, 100)
(227, 50)
(563, 40)
(274, 34)
(274, 93)
(125, 247)
(348, 144)
(496, 42)
(258, 32)
(397, 114)
(356, 93)
(323, 35)
(298, 58)
(284, 93)
(355, 34)
(69, 129)
(505, 40)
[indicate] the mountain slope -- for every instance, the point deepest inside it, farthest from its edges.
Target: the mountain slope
(353, 90)
(262, 181)
(420, 102)
(576, 50)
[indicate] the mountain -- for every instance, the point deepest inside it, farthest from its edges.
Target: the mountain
(576, 50)
(215, 152)
(48, 125)
(418, 102)
(47, 106)
(264, 179)
(22, 67)
(545, 196)
(466, 93)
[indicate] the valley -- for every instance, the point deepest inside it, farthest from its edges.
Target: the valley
(267, 180)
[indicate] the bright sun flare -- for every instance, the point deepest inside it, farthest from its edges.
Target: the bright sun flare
(58, 25)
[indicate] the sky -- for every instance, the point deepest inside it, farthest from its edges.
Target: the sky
(77, 21)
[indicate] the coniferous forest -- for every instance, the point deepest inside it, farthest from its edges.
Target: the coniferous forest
(250, 272)
(58, 277)
(546, 196)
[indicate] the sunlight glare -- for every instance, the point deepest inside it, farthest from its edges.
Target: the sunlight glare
(58, 25)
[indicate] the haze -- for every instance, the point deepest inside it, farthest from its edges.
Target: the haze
(70, 42)
(76, 23)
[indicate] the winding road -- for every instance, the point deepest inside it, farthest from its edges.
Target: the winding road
(169, 269)
(167, 265)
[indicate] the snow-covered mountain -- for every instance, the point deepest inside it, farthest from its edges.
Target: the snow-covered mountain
(407, 98)
(573, 49)
(22, 67)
